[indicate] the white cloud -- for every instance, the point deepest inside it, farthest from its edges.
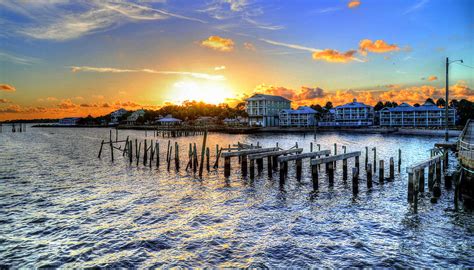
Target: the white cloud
(152, 71)
(419, 4)
(23, 60)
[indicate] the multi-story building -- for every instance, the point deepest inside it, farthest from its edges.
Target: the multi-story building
(132, 119)
(301, 117)
(263, 109)
(426, 115)
(116, 115)
(354, 114)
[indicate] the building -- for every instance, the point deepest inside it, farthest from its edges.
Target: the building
(238, 121)
(116, 115)
(301, 117)
(263, 109)
(327, 118)
(132, 119)
(426, 115)
(168, 121)
(354, 114)
(69, 121)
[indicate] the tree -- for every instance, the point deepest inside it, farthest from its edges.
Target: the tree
(454, 103)
(317, 107)
(440, 102)
(430, 100)
(328, 105)
(465, 111)
(416, 105)
(379, 106)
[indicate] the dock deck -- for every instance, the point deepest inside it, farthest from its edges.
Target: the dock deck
(466, 146)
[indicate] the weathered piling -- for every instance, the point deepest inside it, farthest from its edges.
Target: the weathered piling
(311, 146)
(259, 165)
(252, 169)
(369, 176)
(366, 157)
(381, 172)
(176, 156)
(269, 165)
(344, 169)
(125, 149)
(100, 150)
(168, 151)
(399, 160)
(203, 149)
(431, 177)
(375, 158)
(130, 152)
(330, 173)
(411, 186)
(195, 158)
(138, 152)
(314, 177)
(355, 181)
(392, 169)
(282, 173)
(157, 150)
(208, 166)
(111, 151)
(169, 157)
(226, 167)
(421, 180)
(145, 153)
(299, 165)
(243, 165)
(438, 172)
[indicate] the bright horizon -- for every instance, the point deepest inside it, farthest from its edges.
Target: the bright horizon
(73, 58)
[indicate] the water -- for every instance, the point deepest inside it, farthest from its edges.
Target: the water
(62, 206)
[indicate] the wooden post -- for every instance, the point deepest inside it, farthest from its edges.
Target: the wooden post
(369, 176)
(399, 160)
(130, 152)
(252, 169)
(411, 187)
(112, 151)
(366, 157)
(145, 153)
(357, 165)
(311, 146)
(299, 164)
(344, 169)
(438, 172)
(195, 160)
(415, 192)
(275, 162)
(269, 164)
(314, 177)
(226, 167)
(355, 181)
(176, 156)
(169, 157)
(421, 180)
(136, 150)
(344, 148)
(445, 160)
(335, 148)
(110, 135)
(168, 151)
(207, 159)
(319, 147)
(100, 150)
(330, 172)
(375, 158)
(243, 165)
(116, 135)
(392, 169)
(157, 150)
(381, 172)
(259, 165)
(430, 177)
(282, 173)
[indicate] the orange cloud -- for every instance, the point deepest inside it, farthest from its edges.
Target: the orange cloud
(218, 43)
(249, 46)
(334, 56)
(7, 88)
(67, 104)
(378, 46)
(4, 100)
(353, 4)
(432, 78)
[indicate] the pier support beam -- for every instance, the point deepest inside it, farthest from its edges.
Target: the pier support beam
(226, 167)
(314, 177)
(369, 176)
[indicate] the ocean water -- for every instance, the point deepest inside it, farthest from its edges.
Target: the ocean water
(62, 206)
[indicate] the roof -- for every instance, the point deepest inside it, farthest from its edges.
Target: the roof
(166, 119)
(268, 97)
(353, 104)
(427, 106)
(300, 110)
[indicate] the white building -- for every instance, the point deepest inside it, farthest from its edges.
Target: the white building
(301, 117)
(132, 119)
(69, 121)
(116, 115)
(426, 115)
(263, 109)
(354, 114)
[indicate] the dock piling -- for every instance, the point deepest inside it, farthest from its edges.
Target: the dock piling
(369, 176)
(355, 181)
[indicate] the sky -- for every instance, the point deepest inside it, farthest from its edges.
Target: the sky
(63, 58)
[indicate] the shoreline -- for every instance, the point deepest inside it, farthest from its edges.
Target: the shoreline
(256, 130)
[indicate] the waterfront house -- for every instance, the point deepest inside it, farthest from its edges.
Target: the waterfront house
(354, 114)
(426, 115)
(168, 120)
(132, 119)
(327, 118)
(263, 110)
(238, 121)
(301, 117)
(206, 121)
(69, 121)
(116, 115)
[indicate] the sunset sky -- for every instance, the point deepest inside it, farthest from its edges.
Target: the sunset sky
(72, 58)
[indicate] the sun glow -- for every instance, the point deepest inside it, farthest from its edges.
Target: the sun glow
(209, 92)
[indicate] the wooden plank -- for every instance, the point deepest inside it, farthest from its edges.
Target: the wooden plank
(248, 152)
(423, 164)
(335, 158)
(304, 155)
(276, 153)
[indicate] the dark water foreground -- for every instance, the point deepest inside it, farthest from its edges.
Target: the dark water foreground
(61, 206)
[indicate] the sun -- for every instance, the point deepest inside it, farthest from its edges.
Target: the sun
(208, 92)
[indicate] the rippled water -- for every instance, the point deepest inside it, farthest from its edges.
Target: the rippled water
(62, 206)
